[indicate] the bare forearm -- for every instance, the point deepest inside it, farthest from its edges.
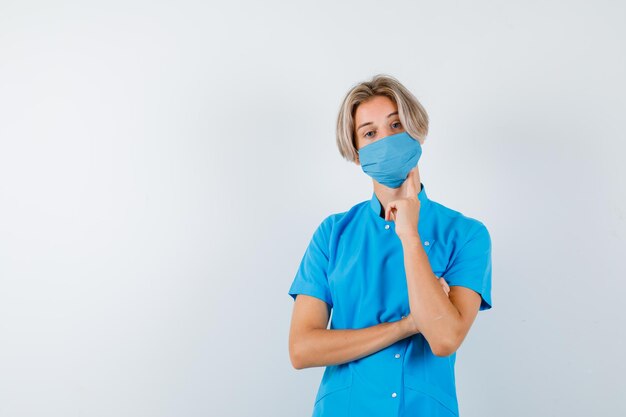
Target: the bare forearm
(324, 347)
(435, 315)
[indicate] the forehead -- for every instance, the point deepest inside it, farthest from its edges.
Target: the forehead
(377, 107)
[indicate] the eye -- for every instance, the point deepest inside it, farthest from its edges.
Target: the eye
(367, 133)
(396, 123)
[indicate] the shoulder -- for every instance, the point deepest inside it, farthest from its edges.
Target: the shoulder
(461, 226)
(335, 222)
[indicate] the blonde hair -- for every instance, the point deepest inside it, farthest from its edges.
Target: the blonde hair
(413, 116)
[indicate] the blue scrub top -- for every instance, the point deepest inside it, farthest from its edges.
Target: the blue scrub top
(355, 263)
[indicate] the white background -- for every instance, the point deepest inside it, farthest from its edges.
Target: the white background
(163, 166)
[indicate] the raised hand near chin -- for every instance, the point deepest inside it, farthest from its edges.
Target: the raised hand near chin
(405, 211)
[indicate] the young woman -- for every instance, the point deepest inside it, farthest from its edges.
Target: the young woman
(396, 326)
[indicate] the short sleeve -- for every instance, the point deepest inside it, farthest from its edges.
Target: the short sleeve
(311, 276)
(471, 267)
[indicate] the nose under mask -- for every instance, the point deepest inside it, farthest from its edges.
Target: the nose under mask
(390, 159)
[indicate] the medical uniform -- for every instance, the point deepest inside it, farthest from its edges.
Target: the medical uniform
(355, 263)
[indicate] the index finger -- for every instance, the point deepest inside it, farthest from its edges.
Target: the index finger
(411, 190)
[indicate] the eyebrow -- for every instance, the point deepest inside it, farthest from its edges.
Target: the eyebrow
(369, 123)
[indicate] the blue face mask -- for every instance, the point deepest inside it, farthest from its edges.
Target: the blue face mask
(390, 159)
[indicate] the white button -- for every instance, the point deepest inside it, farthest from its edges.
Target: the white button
(402, 316)
(397, 355)
(426, 243)
(386, 226)
(394, 395)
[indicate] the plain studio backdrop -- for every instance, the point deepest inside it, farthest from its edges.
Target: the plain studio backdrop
(163, 166)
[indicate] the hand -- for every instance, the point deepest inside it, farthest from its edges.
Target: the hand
(445, 286)
(410, 325)
(405, 211)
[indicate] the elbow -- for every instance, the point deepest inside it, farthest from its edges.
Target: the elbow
(443, 349)
(296, 363)
(446, 346)
(296, 357)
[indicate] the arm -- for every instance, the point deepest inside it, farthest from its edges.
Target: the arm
(312, 344)
(443, 320)
(431, 311)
